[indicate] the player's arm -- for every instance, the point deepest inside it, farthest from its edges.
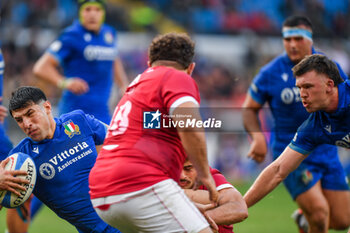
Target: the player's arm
(46, 68)
(250, 115)
(193, 141)
(3, 112)
(120, 77)
(9, 181)
(272, 175)
(231, 206)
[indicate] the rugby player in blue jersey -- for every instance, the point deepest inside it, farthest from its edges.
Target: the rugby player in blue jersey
(320, 193)
(87, 52)
(64, 152)
(326, 96)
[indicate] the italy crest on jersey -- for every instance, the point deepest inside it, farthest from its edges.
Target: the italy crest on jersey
(71, 129)
(307, 176)
(108, 37)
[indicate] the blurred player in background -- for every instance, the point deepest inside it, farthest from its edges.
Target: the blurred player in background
(326, 96)
(231, 206)
(318, 185)
(134, 181)
(5, 142)
(64, 151)
(87, 52)
(88, 55)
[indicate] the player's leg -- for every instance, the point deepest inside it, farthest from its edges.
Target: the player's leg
(18, 219)
(336, 190)
(162, 207)
(339, 203)
(304, 186)
(315, 208)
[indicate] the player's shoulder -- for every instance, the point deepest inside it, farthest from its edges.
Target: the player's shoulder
(24, 146)
(347, 85)
(165, 73)
(108, 27)
(170, 72)
(217, 174)
(76, 114)
(72, 31)
(277, 63)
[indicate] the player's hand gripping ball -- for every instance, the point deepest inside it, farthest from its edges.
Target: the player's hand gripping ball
(19, 161)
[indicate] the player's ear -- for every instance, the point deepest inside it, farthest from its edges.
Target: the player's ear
(190, 68)
(47, 106)
(329, 85)
(148, 63)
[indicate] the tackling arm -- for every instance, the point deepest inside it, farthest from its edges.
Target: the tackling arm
(193, 141)
(231, 206)
(272, 175)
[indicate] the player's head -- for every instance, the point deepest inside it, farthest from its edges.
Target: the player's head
(91, 14)
(316, 76)
(172, 49)
(32, 112)
(188, 175)
(297, 37)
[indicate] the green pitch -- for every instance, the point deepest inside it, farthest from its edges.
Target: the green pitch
(271, 215)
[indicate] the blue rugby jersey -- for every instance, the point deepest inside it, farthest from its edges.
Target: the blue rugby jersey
(84, 54)
(322, 127)
(275, 84)
(5, 142)
(63, 165)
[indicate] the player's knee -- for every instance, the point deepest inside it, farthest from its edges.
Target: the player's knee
(318, 220)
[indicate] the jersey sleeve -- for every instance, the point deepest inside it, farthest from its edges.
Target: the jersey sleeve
(62, 47)
(220, 180)
(341, 72)
(178, 88)
(98, 129)
(306, 138)
(258, 90)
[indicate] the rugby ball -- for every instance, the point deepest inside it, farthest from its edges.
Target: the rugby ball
(19, 161)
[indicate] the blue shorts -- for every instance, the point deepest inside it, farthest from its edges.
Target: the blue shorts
(331, 174)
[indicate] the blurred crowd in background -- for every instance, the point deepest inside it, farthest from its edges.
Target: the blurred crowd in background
(234, 39)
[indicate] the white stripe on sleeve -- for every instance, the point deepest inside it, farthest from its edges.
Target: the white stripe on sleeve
(180, 101)
(224, 186)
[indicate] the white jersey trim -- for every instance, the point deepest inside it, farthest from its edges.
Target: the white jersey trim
(110, 147)
(224, 186)
(180, 101)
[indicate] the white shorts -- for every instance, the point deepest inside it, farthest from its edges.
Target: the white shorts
(162, 208)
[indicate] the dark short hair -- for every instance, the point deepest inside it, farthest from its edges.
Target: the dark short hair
(297, 20)
(176, 47)
(25, 96)
(321, 65)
